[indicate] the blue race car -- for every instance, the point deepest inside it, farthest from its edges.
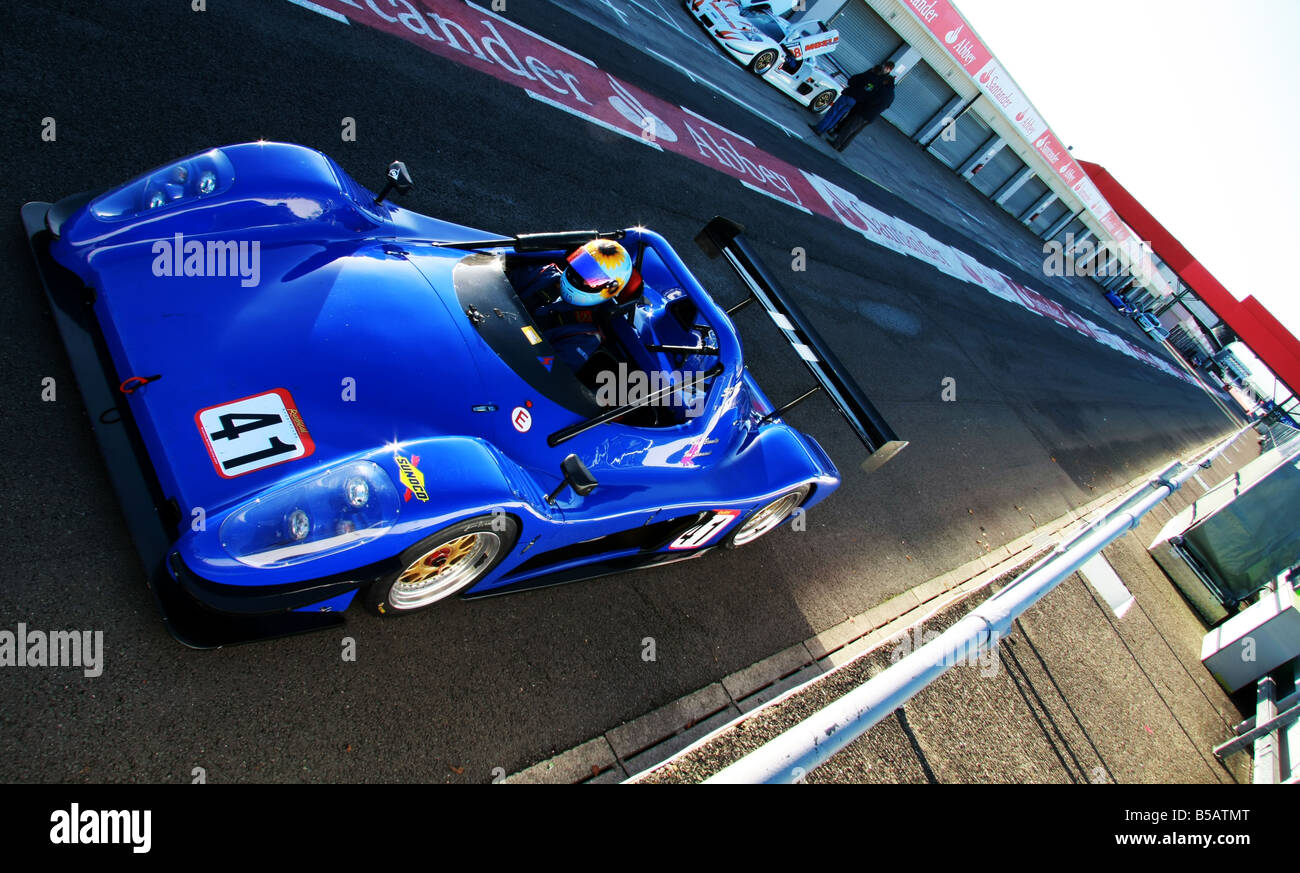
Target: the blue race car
(304, 393)
(1121, 303)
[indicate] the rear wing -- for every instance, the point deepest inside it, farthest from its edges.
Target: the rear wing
(723, 237)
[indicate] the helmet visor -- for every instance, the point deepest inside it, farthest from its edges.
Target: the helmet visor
(584, 271)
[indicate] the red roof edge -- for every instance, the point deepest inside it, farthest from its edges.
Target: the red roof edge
(1267, 337)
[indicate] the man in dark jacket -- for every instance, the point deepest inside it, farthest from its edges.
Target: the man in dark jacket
(865, 111)
(857, 90)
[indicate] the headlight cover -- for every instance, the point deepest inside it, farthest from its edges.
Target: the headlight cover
(202, 175)
(343, 507)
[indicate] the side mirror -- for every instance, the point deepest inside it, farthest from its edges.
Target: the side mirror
(576, 476)
(396, 178)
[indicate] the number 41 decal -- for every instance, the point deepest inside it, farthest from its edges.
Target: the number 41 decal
(253, 433)
(705, 530)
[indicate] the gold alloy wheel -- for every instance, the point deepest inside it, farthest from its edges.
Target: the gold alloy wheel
(767, 518)
(444, 569)
(763, 61)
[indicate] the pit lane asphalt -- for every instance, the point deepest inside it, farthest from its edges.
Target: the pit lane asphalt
(1044, 417)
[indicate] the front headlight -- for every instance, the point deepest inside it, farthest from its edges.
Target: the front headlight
(343, 507)
(198, 176)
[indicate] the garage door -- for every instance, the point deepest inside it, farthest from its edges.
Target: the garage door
(1074, 229)
(971, 134)
(920, 94)
(1026, 196)
(1054, 212)
(865, 38)
(999, 171)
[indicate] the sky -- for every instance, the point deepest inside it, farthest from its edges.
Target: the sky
(1266, 385)
(1193, 106)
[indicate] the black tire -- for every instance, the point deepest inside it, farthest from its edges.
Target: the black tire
(822, 101)
(743, 535)
(763, 61)
(382, 599)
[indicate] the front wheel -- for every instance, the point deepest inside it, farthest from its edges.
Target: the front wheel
(763, 61)
(822, 101)
(446, 563)
(766, 518)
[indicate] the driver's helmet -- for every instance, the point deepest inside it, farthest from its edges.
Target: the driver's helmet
(596, 272)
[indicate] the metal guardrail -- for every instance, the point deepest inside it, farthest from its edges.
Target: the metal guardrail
(1272, 733)
(1277, 434)
(813, 741)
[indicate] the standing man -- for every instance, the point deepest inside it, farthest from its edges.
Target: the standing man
(865, 111)
(857, 90)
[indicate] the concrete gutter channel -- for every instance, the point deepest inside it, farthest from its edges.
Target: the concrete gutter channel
(698, 734)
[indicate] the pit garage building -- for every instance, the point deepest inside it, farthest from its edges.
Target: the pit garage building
(956, 100)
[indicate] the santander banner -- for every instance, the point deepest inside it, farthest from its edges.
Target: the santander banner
(943, 20)
(473, 35)
(954, 33)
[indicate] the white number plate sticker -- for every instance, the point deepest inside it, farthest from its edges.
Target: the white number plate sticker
(705, 530)
(254, 433)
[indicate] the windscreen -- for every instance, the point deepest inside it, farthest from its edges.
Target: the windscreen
(766, 23)
(509, 330)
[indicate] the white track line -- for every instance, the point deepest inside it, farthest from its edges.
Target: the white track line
(776, 197)
(728, 131)
(593, 119)
(328, 13)
(622, 16)
(705, 82)
(668, 21)
(648, 11)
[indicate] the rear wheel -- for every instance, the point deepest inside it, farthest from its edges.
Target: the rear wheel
(439, 566)
(822, 100)
(766, 518)
(763, 61)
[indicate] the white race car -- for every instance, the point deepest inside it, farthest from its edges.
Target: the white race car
(786, 56)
